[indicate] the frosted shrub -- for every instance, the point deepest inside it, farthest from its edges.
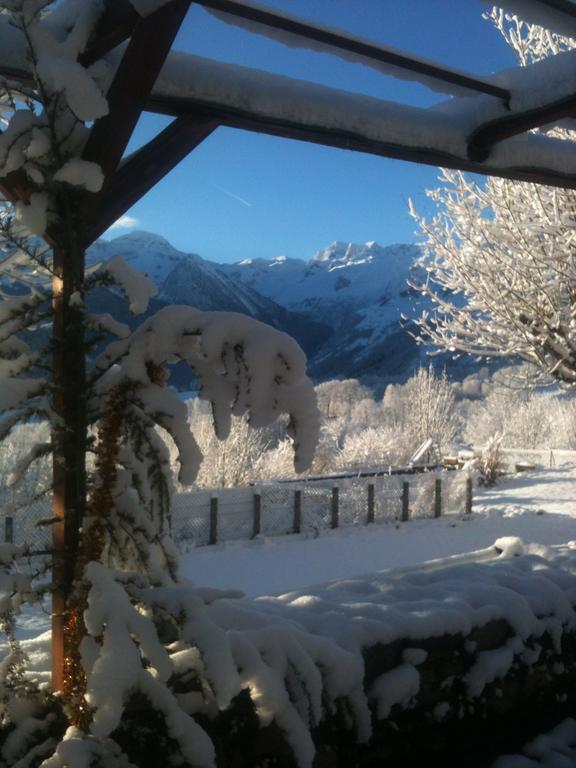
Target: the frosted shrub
(490, 460)
(525, 419)
(276, 463)
(372, 447)
(236, 460)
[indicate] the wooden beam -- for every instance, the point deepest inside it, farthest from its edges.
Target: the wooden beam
(136, 74)
(483, 139)
(364, 48)
(248, 121)
(114, 27)
(139, 173)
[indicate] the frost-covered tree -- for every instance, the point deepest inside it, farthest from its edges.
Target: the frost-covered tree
(337, 398)
(424, 407)
(501, 255)
(140, 649)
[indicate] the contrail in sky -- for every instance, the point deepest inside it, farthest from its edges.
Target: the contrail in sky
(232, 195)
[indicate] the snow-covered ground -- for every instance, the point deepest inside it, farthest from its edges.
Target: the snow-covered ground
(539, 507)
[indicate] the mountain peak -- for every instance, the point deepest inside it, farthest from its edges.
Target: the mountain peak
(347, 253)
(143, 239)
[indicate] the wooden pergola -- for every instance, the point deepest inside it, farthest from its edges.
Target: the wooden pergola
(145, 72)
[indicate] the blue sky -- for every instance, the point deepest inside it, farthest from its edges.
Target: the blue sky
(241, 195)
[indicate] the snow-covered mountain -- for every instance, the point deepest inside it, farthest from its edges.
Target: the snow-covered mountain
(344, 305)
(186, 278)
(361, 291)
(343, 273)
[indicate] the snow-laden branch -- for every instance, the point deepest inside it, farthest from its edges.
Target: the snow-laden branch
(242, 366)
(136, 286)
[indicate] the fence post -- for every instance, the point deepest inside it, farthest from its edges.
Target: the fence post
(9, 529)
(468, 507)
(297, 511)
(437, 497)
(257, 525)
(213, 538)
(334, 521)
(405, 502)
(370, 513)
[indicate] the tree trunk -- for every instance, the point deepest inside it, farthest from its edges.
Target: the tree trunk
(69, 433)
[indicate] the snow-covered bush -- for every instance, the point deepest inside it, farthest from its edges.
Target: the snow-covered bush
(489, 463)
(372, 447)
(524, 418)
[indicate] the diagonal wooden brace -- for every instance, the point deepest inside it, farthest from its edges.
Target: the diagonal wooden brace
(142, 61)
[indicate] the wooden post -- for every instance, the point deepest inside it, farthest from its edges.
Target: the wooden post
(335, 505)
(468, 503)
(297, 526)
(213, 537)
(370, 513)
(257, 525)
(437, 497)
(9, 529)
(69, 433)
(405, 516)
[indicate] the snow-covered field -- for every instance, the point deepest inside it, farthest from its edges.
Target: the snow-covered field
(539, 507)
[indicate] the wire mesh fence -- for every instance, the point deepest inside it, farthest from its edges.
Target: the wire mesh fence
(205, 516)
(275, 510)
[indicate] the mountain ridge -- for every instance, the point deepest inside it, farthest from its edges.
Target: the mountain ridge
(343, 305)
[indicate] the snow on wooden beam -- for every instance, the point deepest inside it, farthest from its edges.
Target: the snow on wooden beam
(116, 25)
(366, 49)
(343, 139)
(141, 63)
(139, 173)
(483, 139)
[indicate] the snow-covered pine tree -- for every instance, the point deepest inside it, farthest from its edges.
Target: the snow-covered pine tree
(140, 648)
(501, 255)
